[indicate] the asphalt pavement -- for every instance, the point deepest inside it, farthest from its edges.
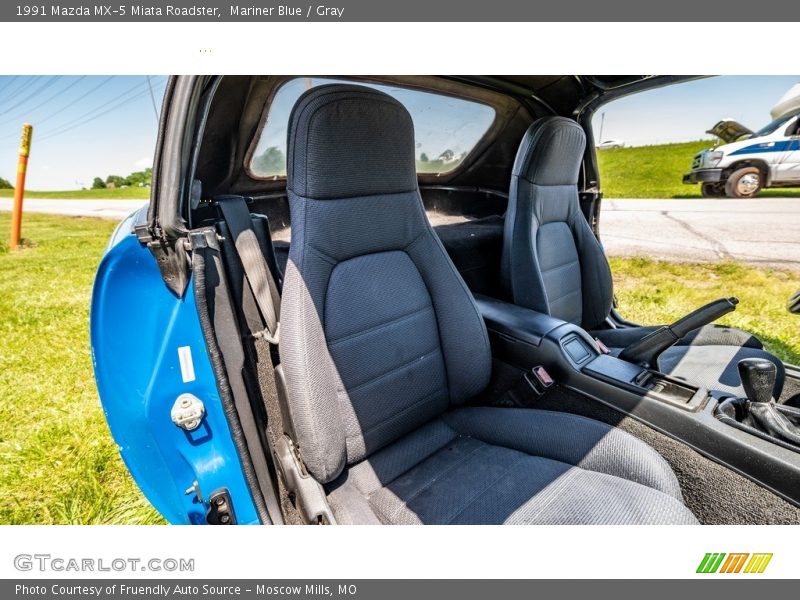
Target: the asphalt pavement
(106, 209)
(763, 232)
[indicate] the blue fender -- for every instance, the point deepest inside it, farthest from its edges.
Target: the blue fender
(140, 333)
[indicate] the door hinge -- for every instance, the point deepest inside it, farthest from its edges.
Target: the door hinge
(171, 257)
(220, 509)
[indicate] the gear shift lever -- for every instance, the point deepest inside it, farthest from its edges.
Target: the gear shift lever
(758, 378)
(759, 411)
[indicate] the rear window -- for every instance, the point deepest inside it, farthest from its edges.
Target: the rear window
(446, 128)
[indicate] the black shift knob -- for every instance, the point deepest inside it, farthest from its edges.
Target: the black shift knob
(758, 378)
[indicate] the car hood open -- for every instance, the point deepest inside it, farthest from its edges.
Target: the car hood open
(729, 130)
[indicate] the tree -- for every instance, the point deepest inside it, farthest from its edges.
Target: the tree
(139, 178)
(115, 181)
(447, 155)
(98, 184)
(270, 163)
(5, 184)
(423, 157)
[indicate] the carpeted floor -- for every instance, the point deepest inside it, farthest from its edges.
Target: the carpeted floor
(714, 493)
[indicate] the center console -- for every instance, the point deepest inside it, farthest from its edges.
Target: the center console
(526, 339)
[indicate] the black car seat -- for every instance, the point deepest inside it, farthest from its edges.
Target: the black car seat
(382, 346)
(553, 263)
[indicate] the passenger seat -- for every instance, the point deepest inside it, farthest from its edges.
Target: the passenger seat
(553, 263)
(382, 347)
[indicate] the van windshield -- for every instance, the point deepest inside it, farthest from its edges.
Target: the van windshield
(777, 123)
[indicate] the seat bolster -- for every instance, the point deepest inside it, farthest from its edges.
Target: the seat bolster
(462, 331)
(710, 335)
(720, 335)
(350, 506)
(570, 439)
(715, 367)
(597, 285)
(519, 270)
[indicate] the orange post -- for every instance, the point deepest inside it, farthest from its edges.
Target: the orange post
(19, 190)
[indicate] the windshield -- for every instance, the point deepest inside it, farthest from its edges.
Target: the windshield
(777, 123)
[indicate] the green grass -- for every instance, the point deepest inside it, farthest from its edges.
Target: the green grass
(652, 292)
(131, 193)
(58, 463)
(656, 172)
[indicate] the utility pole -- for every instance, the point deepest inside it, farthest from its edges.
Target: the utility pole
(19, 190)
(602, 122)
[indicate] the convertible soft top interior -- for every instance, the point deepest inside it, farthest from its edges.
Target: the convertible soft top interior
(427, 321)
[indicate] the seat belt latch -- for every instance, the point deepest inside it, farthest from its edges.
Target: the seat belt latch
(532, 386)
(601, 347)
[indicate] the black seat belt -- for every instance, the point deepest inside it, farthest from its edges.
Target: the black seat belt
(310, 498)
(265, 290)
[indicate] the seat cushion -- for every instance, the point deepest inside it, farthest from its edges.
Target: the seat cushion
(715, 367)
(513, 466)
(709, 335)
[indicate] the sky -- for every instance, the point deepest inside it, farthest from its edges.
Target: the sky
(86, 127)
(83, 127)
(683, 112)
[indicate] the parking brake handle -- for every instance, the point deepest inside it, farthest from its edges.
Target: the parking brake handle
(647, 350)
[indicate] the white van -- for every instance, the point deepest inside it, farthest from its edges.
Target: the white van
(749, 161)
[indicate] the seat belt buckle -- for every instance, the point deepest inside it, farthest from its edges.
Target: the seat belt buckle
(532, 386)
(539, 380)
(601, 346)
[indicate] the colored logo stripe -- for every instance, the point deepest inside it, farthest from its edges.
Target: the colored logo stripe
(734, 563)
(758, 563)
(710, 563)
(713, 562)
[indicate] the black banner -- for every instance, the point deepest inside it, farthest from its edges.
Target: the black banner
(406, 11)
(398, 589)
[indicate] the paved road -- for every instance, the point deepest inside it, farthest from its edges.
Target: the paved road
(107, 209)
(761, 232)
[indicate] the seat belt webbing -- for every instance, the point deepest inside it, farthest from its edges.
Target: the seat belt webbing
(262, 283)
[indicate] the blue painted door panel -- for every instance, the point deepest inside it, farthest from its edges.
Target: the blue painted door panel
(137, 328)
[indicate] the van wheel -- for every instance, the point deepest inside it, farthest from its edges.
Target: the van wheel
(744, 183)
(712, 190)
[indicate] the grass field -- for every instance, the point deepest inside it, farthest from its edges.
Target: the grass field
(651, 293)
(656, 172)
(131, 193)
(58, 463)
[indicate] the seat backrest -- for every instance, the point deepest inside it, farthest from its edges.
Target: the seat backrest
(379, 333)
(552, 262)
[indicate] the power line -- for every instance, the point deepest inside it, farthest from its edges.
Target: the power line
(96, 116)
(47, 83)
(75, 101)
(39, 122)
(47, 101)
(26, 83)
(89, 113)
(152, 97)
(9, 82)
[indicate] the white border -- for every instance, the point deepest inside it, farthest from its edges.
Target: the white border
(392, 48)
(574, 552)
